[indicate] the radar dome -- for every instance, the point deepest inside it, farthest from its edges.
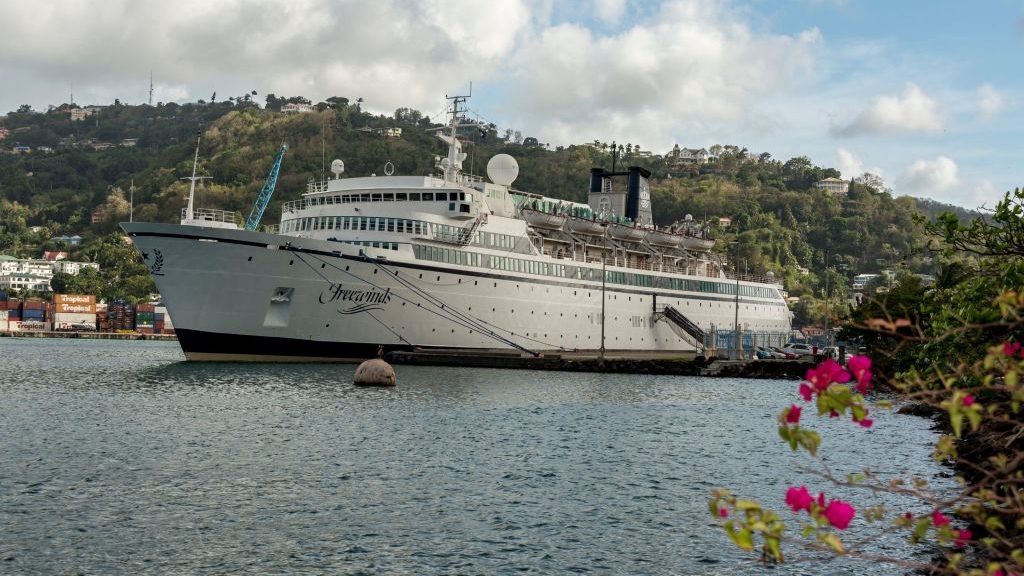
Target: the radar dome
(689, 218)
(337, 167)
(502, 169)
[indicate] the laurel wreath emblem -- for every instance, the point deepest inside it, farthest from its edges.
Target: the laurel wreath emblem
(158, 263)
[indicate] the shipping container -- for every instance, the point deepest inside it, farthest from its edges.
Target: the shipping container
(27, 325)
(74, 303)
(145, 308)
(167, 317)
(32, 314)
(74, 321)
(14, 314)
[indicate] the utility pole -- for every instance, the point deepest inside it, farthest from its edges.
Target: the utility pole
(604, 260)
(736, 318)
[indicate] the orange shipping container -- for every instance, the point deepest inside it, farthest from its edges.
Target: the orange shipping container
(69, 308)
(74, 299)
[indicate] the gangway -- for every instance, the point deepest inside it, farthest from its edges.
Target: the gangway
(256, 214)
(682, 326)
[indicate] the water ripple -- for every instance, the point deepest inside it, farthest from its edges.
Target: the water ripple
(120, 458)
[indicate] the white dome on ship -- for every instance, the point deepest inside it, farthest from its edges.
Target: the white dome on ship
(337, 167)
(502, 169)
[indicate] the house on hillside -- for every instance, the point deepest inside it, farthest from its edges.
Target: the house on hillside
(71, 240)
(688, 156)
(833, 186)
(297, 107)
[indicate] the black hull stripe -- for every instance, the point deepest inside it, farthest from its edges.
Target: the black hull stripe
(200, 345)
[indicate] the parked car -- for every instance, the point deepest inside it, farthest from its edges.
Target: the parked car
(766, 353)
(784, 354)
(799, 349)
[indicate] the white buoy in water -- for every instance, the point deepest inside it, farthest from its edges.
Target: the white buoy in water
(375, 372)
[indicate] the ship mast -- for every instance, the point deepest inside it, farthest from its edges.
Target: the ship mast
(189, 213)
(451, 165)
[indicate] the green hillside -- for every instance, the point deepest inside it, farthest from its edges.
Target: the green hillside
(78, 179)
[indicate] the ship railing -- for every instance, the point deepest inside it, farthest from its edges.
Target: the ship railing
(760, 278)
(655, 266)
(210, 215)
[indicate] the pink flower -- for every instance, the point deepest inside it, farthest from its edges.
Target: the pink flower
(861, 368)
(839, 514)
(1012, 349)
(962, 536)
(938, 519)
(806, 392)
(825, 374)
(968, 400)
(793, 415)
(799, 498)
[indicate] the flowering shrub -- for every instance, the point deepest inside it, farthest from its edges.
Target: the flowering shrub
(987, 517)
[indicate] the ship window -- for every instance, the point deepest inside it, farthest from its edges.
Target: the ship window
(414, 196)
(376, 197)
(362, 223)
(401, 196)
(373, 224)
(391, 224)
(428, 196)
(464, 208)
(451, 206)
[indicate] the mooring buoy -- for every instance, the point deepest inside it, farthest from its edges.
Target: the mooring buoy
(375, 372)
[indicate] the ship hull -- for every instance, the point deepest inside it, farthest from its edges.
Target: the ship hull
(237, 295)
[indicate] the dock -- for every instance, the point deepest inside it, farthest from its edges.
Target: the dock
(88, 335)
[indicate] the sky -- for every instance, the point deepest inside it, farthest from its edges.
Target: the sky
(928, 95)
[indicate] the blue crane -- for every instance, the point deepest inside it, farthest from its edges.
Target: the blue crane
(265, 193)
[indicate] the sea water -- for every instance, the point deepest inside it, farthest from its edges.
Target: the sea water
(118, 457)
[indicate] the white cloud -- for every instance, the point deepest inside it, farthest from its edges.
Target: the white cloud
(691, 65)
(390, 52)
(850, 165)
(990, 102)
(610, 11)
(929, 177)
(910, 111)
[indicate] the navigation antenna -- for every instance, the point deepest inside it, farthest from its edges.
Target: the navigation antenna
(150, 87)
(451, 164)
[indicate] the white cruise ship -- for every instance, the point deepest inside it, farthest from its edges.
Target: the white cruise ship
(449, 261)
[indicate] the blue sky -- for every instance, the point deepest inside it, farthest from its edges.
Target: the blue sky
(925, 95)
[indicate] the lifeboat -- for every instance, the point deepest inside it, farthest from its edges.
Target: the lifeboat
(546, 220)
(628, 233)
(585, 226)
(664, 238)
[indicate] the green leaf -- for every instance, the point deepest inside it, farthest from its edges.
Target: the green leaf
(956, 420)
(744, 505)
(833, 542)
